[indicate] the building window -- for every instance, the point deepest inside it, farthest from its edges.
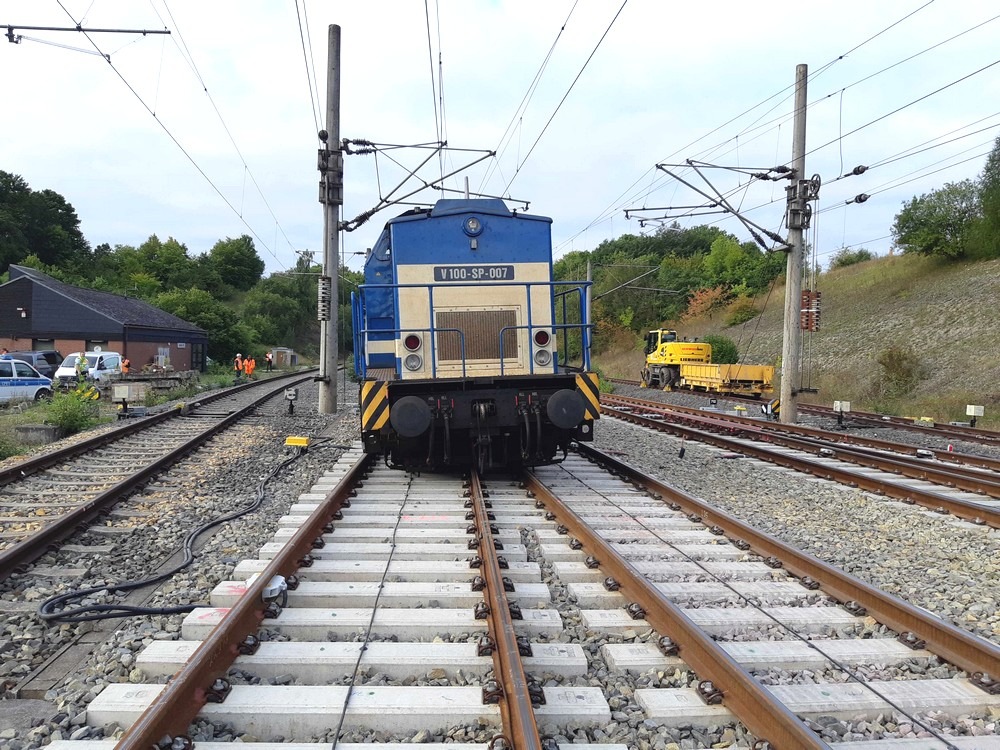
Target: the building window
(39, 345)
(93, 344)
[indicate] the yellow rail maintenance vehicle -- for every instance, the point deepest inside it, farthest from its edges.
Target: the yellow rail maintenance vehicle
(674, 364)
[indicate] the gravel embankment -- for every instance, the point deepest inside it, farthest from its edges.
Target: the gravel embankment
(949, 567)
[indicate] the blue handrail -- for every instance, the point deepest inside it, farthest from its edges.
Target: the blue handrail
(578, 288)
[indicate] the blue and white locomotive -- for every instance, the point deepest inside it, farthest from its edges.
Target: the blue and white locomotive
(455, 338)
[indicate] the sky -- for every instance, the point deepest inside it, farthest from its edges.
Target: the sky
(211, 132)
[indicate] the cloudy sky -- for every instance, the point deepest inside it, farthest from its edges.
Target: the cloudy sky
(231, 147)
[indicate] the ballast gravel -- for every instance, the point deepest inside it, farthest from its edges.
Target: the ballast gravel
(951, 568)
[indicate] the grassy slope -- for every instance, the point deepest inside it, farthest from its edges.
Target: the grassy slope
(948, 314)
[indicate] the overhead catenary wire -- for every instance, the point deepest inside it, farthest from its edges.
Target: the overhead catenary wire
(590, 57)
(232, 139)
(627, 196)
(310, 79)
(507, 136)
(172, 137)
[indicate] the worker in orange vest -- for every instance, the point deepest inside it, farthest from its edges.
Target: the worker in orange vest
(248, 365)
(125, 365)
(238, 365)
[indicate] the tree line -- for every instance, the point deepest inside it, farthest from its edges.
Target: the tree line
(222, 290)
(959, 220)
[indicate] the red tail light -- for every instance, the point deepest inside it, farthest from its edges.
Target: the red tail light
(412, 342)
(542, 338)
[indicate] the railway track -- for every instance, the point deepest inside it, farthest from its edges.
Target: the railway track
(944, 431)
(957, 485)
(47, 498)
(641, 616)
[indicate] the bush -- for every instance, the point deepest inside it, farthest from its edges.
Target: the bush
(73, 412)
(741, 311)
(724, 351)
(900, 373)
(8, 447)
(846, 257)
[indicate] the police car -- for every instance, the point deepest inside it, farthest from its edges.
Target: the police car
(19, 381)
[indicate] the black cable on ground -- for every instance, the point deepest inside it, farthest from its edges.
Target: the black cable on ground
(48, 611)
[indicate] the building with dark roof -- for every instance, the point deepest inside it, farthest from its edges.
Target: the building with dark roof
(38, 312)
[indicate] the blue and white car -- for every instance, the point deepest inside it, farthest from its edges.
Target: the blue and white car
(19, 381)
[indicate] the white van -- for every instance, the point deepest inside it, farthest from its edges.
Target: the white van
(19, 381)
(99, 366)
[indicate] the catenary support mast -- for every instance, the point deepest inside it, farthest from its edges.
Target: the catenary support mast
(331, 195)
(797, 220)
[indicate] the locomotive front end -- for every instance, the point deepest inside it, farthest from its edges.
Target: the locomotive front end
(473, 355)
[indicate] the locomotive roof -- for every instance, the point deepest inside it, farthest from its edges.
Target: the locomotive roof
(454, 206)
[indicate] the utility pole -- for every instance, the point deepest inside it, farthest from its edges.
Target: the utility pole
(798, 220)
(331, 195)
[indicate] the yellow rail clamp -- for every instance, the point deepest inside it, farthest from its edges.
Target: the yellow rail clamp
(297, 442)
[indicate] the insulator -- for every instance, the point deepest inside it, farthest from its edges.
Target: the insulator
(861, 197)
(860, 169)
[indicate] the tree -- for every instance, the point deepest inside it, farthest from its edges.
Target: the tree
(236, 261)
(226, 334)
(987, 234)
(939, 222)
(40, 223)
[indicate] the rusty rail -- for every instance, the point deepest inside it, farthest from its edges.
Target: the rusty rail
(516, 709)
(183, 697)
(961, 648)
(970, 511)
(748, 699)
(18, 555)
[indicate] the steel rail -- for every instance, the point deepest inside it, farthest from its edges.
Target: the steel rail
(968, 511)
(958, 476)
(952, 457)
(516, 710)
(969, 434)
(748, 699)
(32, 465)
(965, 650)
(15, 557)
(171, 714)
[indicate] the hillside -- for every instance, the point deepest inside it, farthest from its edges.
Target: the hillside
(947, 314)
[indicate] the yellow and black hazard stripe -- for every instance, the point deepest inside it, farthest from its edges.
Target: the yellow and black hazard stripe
(588, 386)
(374, 405)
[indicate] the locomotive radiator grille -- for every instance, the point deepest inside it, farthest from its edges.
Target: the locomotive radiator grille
(481, 329)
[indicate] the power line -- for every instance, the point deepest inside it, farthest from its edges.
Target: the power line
(561, 101)
(225, 127)
(309, 79)
(654, 185)
(173, 138)
(905, 106)
(525, 100)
